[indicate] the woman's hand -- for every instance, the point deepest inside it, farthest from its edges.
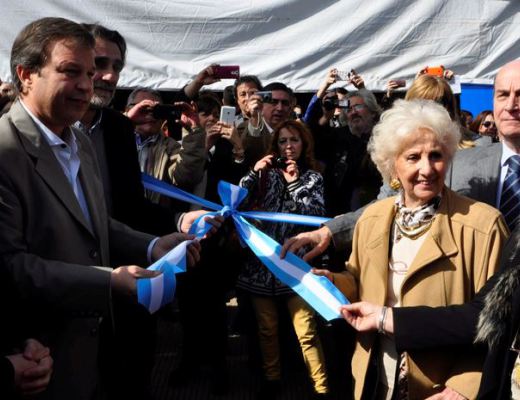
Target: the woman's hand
(291, 171)
(212, 135)
(229, 132)
(323, 272)
(263, 163)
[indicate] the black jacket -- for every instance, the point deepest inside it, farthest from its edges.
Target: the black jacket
(129, 204)
(420, 327)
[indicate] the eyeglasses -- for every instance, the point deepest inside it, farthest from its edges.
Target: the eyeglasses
(284, 102)
(487, 124)
(356, 107)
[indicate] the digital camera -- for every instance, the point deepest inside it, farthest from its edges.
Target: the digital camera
(280, 162)
(267, 97)
(166, 111)
(330, 103)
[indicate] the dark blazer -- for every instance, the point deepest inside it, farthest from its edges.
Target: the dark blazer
(129, 204)
(424, 327)
(474, 173)
(49, 253)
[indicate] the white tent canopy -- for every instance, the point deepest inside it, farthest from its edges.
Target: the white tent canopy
(291, 41)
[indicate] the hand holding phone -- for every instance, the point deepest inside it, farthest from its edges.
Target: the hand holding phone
(226, 71)
(342, 75)
(227, 115)
(435, 71)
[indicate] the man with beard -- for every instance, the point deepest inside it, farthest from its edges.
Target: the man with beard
(351, 179)
(112, 135)
(126, 367)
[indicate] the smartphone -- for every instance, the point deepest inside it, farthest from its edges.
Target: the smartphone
(342, 75)
(436, 71)
(226, 71)
(227, 115)
(400, 82)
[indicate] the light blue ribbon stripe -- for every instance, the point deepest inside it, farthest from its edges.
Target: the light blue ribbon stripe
(293, 271)
(308, 220)
(317, 291)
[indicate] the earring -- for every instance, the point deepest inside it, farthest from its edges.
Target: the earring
(395, 184)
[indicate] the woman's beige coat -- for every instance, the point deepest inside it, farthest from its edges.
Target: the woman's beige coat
(459, 254)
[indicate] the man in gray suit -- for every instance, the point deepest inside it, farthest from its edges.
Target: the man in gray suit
(478, 173)
(56, 234)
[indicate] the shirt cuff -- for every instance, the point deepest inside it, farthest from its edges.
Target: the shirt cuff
(150, 248)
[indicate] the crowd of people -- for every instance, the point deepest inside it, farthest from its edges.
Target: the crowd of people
(422, 199)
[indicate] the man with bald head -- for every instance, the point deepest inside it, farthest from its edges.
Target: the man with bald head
(488, 174)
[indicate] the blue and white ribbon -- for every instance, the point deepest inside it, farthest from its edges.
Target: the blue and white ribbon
(317, 291)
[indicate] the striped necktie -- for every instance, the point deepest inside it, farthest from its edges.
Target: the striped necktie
(510, 199)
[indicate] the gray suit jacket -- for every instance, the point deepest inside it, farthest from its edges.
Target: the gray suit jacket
(474, 173)
(48, 252)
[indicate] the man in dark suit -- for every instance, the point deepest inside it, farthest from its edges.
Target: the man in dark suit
(113, 138)
(56, 231)
(478, 173)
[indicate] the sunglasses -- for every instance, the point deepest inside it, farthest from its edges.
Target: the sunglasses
(487, 124)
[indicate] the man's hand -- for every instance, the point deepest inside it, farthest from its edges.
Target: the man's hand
(190, 116)
(168, 242)
(391, 85)
(124, 278)
(364, 316)
(32, 368)
(319, 239)
(207, 76)
(190, 217)
(330, 79)
(357, 80)
(204, 77)
(254, 107)
(141, 112)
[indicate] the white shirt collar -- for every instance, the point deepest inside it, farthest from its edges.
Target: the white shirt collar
(507, 152)
(52, 139)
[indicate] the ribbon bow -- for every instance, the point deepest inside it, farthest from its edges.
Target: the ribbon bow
(317, 291)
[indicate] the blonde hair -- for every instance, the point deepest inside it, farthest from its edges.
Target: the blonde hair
(403, 120)
(429, 87)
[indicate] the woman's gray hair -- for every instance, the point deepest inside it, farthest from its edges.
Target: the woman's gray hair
(403, 120)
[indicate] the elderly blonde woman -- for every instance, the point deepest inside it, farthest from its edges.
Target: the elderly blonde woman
(426, 246)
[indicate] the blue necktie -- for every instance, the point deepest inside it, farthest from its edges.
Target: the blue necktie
(510, 199)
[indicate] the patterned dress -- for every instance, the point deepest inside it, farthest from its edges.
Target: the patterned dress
(271, 192)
